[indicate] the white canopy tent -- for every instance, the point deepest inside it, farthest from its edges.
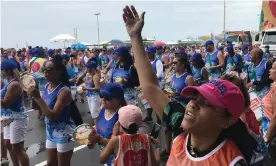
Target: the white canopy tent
(63, 38)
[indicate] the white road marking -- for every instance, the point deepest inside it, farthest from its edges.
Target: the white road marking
(43, 163)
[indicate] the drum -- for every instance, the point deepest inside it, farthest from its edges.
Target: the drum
(81, 134)
(5, 121)
(119, 80)
(27, 81)
(255, 105)
(80, 90)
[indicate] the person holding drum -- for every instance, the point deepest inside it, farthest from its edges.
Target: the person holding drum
(214, 60)
(55, 105)
(234, 61)
(92, 87)
(12, 107)
(270, 107)
(199, 72)
(112, 100)
(110, 66)
(125, 74)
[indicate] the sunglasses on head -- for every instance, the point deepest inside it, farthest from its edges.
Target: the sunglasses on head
(105, 98)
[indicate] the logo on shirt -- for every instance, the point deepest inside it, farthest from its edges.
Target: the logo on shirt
(139, 158)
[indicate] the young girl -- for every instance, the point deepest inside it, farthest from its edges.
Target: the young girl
(92, 86)
(130, 148)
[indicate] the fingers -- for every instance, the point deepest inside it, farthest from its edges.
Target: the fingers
(129, 12)
(124, 17)
(134, 11)
(143, 16)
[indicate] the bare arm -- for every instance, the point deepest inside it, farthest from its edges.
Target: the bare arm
(271, 132)
(13, 93)
(109, 149)
(148, 81)
(107, 67)
(165, 60)
(63, 99)
(190, 81)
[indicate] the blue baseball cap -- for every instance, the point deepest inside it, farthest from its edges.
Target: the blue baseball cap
(50, 52)
(8, 64)
(151, 50)
(65, 57)
(180, 52)
(22, 54)
(159, 47)
(172, 49)
(209, 42)
(230, 49)
(112, 90)
(196, 57)
(220, 48)
(245, 47)
(91, 65)
(36, 52)
(121, 50)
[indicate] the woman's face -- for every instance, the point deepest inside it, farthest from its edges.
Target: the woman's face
(50, 72)
(177, 64)
(109, 103)
(200, 116)
(272, 72)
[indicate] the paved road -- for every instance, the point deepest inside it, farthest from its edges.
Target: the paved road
(35, 142)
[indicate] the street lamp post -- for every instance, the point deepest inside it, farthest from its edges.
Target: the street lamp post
(97, 14)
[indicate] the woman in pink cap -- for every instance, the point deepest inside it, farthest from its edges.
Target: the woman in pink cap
(214, 132)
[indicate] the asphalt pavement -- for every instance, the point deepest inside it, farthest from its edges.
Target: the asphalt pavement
(35, 142)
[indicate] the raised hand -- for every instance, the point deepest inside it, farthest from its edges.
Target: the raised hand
(134, 23)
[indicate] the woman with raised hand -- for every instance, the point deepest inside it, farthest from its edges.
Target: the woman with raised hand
(214, 132)
(55, 105)
(12, 106)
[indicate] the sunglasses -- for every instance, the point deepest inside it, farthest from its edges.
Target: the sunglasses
(105, 98)
(47, 70)
(174, 63)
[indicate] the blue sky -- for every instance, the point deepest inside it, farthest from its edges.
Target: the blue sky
(36, 22)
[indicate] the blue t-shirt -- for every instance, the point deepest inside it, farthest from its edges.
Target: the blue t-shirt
(71, 72)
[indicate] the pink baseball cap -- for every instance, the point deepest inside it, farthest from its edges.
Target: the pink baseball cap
(221, 94)
(130, 114)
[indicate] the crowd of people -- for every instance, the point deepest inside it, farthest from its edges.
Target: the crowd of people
(201, 95)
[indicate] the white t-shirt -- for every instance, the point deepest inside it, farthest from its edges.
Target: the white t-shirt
(159, 69)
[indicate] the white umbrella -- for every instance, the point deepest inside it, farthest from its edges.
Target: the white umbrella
(63, 38)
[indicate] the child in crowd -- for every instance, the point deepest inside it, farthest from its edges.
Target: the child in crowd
(130, 148)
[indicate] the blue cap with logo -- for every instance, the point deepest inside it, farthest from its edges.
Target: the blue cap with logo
(91, 65)
(151, 50)
(209, 42)
(112, 90)
(8, 64)
(121, 50)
